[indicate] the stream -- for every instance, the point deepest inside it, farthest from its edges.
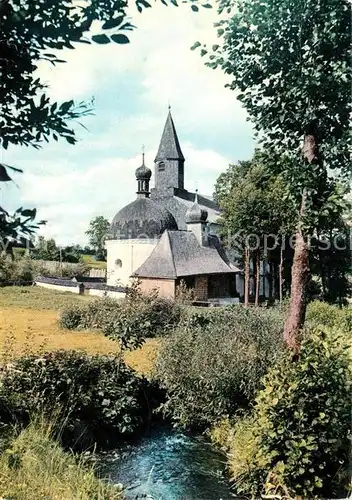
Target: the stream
(168, 465)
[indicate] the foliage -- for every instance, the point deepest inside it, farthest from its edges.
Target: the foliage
(296, 444)
(98, 232)
(48, 250)
(17, 227)
(95, 394)
(290, 62)
(129, 321)
(257, 212)
(211, 365)
(321, 314)
(16, 271)
(184, 295)
(24, 270)
(34, 466)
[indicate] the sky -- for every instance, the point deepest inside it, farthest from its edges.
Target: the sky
(131, 87)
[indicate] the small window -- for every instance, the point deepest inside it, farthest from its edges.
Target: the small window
(118, 263)
(161, 166)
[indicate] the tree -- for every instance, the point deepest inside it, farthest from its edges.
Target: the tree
(97, 232)
(257, 215)
(290, 61)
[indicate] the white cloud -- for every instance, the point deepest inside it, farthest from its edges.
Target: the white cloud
(159, 54)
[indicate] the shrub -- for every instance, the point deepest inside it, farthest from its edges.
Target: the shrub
(296, 441)
(212, 364)
(99, 393)
(129, 321)
(92, 315)
(34, 466)
(16, 271)
(326, 315)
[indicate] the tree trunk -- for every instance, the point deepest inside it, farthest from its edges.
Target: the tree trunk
(257, 278)
(281, 270)
(300, 267)
(246, 277)
(296, 314)
(271, 280)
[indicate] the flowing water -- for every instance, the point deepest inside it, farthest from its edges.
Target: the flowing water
(169, 465)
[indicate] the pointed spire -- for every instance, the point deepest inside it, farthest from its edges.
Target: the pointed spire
(169, 148)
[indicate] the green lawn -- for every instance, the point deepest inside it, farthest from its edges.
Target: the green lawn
(91, 262)
(35, 297)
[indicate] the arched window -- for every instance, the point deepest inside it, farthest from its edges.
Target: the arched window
(161, 166)
(118, 263)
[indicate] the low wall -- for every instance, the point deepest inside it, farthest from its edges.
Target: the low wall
(106, 293)
(61, 288)
(59, 284)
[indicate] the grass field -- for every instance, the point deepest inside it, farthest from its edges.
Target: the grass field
(29, 324)
(91, 262)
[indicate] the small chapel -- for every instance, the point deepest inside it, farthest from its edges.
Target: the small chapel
(168, 234)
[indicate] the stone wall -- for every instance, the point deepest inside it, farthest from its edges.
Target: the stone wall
(201, 288)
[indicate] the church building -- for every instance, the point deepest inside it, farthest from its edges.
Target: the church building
(168, 234)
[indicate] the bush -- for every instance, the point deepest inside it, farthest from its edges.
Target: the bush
(296, 441)
(212, 364)
(16, 271)
(95, 394)
(326, 315)
(92, 315)
(129, 321)
(34, 466)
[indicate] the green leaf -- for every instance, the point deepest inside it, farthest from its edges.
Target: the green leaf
(70, 139)
(101, 39)
(203, 52)
(194, 8)
(195, 45)
(4, 176)
(207, 6)
(122, 39)
(113, 23)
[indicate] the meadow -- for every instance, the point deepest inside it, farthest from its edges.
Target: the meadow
(29, 324)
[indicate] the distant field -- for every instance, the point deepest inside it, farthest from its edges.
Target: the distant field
(35, 297)
(89, 260)
(29, 324)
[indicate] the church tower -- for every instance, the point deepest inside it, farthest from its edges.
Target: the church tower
(169, 161)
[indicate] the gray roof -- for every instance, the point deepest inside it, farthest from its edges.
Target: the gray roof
(179, 254)
(181, 201)
(169, 148)
(141, 218)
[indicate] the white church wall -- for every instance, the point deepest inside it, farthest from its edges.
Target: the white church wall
(124, 257)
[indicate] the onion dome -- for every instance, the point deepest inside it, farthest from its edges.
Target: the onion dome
(143, 173)
(195, 213)
(143, 218)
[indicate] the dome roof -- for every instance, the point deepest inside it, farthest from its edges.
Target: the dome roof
(143, 218)
(195, 213)
(143, 173)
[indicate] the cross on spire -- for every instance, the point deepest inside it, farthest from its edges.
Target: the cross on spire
(143, 152)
